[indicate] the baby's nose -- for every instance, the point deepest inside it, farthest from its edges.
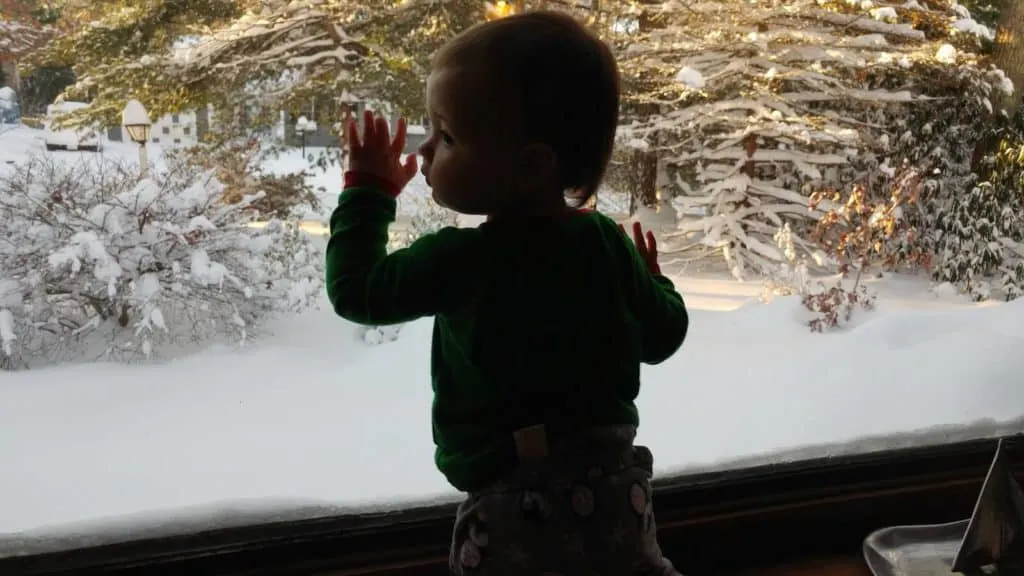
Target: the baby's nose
(426, 150)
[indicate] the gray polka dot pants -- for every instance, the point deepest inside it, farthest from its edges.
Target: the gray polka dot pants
(584, 509)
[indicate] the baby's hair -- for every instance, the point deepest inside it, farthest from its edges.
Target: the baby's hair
(566, 81)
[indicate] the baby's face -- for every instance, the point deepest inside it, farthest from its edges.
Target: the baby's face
(470, 157)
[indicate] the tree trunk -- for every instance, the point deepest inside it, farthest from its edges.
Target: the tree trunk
(1008, 56)
(645, 181)
(202, 123)
(645, 168)
(1009, 51)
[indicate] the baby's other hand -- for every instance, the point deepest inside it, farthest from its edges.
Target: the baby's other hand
(377, 153)
(647, 246)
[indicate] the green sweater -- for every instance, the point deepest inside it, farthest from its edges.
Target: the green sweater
(538, 321)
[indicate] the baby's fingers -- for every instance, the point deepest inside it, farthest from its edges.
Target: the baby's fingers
(652, 244)
(352, 130)
(369, 132)
(398, 143)
(382, 133)
(409, 166)
(638, 238)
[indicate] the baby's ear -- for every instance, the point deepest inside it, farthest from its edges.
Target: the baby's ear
(538, 167)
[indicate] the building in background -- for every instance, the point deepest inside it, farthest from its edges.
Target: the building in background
(328, 134)
(188, 128)
(175, 130)
(182, 129)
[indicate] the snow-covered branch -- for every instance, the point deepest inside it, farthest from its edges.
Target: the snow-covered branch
(19, 38)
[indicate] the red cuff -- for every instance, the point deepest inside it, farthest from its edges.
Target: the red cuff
(355, 179)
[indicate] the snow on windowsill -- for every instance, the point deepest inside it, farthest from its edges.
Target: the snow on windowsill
(254, 512)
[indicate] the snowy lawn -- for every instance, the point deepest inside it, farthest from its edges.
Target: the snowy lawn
(18, 143)
(313, 417)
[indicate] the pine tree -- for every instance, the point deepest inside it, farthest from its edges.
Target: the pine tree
(262, 56)
(775, 100)
(121, 50)
(23, 28)
(983, 229)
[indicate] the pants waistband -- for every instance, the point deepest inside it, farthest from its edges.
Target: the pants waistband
(577, 455)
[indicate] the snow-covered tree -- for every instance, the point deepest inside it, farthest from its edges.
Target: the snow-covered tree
(175, 55)
(1006, 20)
(774, 100)
(1008, 51)
(635, 31)
(95, 263)
(23, 28)
(20, 38)
(750, 107)
(982, 229)
(114, 47)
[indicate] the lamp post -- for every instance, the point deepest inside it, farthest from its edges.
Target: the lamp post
(136, 121)
(303, 127)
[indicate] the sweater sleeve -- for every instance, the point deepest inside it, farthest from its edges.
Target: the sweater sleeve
(661, 311)
(664, 318)
(368, 286)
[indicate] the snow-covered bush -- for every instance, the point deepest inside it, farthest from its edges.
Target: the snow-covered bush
(833, 306)
(781, 99)
(237, 162)
(855, 232)
(790, 277)
(96, 263)
(427, 217)
(982, 229)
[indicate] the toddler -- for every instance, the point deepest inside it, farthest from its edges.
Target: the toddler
(542, 314)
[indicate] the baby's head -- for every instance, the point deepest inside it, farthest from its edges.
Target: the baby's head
(523, 112)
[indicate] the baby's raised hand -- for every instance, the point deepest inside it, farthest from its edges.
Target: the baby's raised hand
(647, 246)
(377, 153)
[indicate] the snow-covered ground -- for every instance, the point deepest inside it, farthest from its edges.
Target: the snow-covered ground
(19, 142)
(312, 415)
(312, 419)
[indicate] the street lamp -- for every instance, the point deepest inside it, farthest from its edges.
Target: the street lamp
(303, 127)
(136, 121)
